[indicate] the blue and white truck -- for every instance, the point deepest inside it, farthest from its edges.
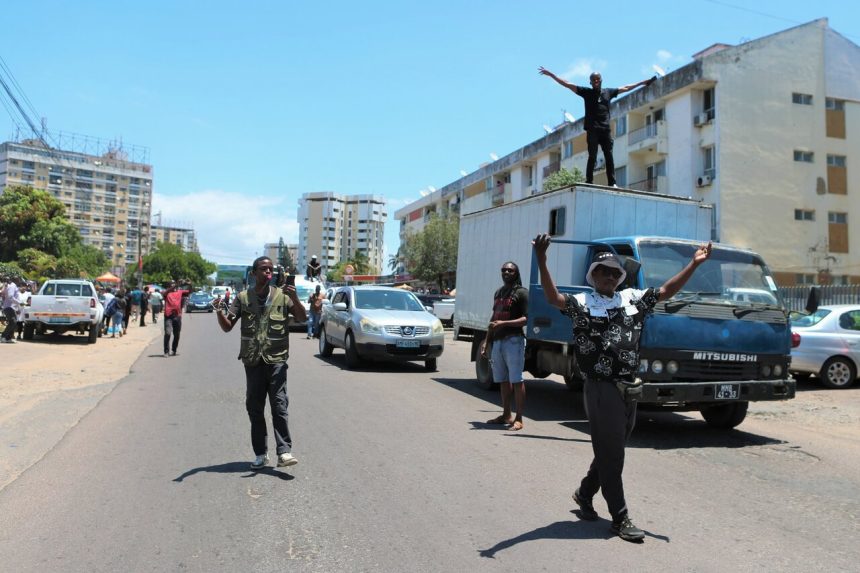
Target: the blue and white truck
(707, 349)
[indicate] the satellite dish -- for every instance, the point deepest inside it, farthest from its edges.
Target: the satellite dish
(463, 173)
(660, 71)
(569, 117)
(547, 128)
(494, 157)
(423, 193)
(431, 188)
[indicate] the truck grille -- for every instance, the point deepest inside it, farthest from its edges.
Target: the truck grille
(694, 370)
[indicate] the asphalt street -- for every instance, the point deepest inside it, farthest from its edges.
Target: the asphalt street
(398, 472)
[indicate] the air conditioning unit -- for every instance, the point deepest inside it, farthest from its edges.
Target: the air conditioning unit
(703, 181)
(700, 119)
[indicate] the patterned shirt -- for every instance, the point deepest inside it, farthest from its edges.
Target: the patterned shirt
(606, 331)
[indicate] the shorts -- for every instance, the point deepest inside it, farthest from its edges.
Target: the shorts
(507, 359)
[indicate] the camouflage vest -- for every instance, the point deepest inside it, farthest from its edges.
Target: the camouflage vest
(265, 332)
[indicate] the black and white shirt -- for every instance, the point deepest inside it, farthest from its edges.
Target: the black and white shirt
(606, 331)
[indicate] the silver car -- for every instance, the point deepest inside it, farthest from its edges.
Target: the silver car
(828, 345)
(380, 322)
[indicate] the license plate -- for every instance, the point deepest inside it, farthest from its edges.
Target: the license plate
(59, 319)
(408, 344)
(727, 391)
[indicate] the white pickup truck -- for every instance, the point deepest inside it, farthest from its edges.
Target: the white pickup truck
(444, 310)
(63, 305)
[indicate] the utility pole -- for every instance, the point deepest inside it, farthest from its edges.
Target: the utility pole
(139, 253)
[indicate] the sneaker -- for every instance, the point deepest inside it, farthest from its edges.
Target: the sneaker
(260, 461)
(166, 354)
(286, 460)
(625, 529)
(586, 508)
(173, 353)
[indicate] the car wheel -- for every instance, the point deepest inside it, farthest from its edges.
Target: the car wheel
(838, 373)
(353, 360)
(430, 365)
(94, 333)
(325, 347)
(29, 330)
(725, 416)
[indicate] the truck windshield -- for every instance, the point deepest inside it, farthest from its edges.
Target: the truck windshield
(734, 276)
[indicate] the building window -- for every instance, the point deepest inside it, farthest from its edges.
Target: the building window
(804, 279)
(709, 103)
(621, 126)
(709, 161)
(568, 148)
(836, 161)
(840, 218)
(834, 104)
(803, 156)
(837, 230)
(802, 99)
(804, 214)
(530, 175)
(556, 221)
(621, 176)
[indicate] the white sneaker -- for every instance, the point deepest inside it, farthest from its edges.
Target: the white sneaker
(260, 462)
(286, 460)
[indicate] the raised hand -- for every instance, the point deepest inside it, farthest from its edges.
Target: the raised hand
(702, 254)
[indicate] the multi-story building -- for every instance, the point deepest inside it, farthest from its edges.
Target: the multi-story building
(107, 197)
(336, 227)
(767, 131)
(184, 237)
(272, 251)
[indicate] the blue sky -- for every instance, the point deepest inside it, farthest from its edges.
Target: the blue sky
(245, 106)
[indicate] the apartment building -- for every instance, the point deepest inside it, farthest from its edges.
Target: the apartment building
(768, 131)
(335, 227)
(107, 197)
(184, 237)
(272, 250)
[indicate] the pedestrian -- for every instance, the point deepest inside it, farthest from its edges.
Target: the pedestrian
(156, 301)
(505, 344)
(24, 298)
(144, 305)
(129, 307)
(109, 296)
(134, 309)
(174, 302)
(313, 270)
(118, 313)
(607, 325)
(264, 350)
(11, 301)
(315, 302)
(597, 118)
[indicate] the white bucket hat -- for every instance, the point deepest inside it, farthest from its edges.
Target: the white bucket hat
(606, 259)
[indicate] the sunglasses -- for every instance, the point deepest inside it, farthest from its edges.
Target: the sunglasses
(509, 270)
(612, 272)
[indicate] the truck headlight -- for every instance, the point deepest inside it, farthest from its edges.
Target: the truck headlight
(657, 366)
(672, 367)
(765, 370)
(777, 370)
(438, 328)
(369, 326)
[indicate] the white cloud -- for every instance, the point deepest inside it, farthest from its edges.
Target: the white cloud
(583, 67)
(665, 60)
(664, 56)
(231, 228)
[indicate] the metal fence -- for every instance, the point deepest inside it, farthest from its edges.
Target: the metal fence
(796, 297)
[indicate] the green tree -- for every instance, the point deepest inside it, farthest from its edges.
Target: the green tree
(169, 262)
(12, 270)
(395, 260)
(85, 260)
(33, 218)
(360, 266)
(432, 252)
(563, 178)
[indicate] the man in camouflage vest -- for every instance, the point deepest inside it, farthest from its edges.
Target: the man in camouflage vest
(263, 313)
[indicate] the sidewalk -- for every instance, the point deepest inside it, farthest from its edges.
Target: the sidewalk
(48, 384)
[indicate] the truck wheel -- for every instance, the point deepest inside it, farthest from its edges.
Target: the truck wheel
(725, 416)
(29, 330)
(574, 383)
(94, 334)
(325, 347)
(353, 360)
(837, 373)
(430, 365)
(484, 373)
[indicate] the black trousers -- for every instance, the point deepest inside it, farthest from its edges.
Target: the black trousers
(11, 317)
(611, 420)
(602, 138)
(270, 380)
(172, 325)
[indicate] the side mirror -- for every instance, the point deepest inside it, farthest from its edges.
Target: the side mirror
(339, 306)
(429, 309)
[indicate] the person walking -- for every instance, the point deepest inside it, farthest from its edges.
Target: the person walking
(119, 313)
(156, 301)
(315, 302)
(607, 325)
(24, 297)
(144, 305)
(264, 349)
(505, 344)
(134, 309)
(174, 302)
(11, 301)
(597, 125)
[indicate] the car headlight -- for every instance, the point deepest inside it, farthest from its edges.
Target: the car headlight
(437, 327)
(672, 367)
(369, 326)
(657, 366)
(777, 370)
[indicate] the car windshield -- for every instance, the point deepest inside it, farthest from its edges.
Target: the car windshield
(199, 297)
(387, 300)
(304, 292)
(810, 319)
(733, 276)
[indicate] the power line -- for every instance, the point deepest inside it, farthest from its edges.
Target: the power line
(765, 14)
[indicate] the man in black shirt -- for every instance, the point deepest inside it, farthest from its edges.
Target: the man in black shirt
(607, 325)
(597, 118)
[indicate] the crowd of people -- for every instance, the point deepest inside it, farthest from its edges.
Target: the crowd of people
(15, 293)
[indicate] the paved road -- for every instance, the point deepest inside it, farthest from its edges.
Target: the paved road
(398, 472)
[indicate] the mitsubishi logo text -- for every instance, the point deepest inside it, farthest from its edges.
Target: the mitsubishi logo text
(725, 357)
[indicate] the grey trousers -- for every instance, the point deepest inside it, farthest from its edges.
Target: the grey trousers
(611, 420)
(268, 380)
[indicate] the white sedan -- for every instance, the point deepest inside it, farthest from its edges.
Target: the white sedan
(828, 345)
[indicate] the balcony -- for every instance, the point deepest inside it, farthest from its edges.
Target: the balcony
(651, 185)
(553, 167)
(649, 138)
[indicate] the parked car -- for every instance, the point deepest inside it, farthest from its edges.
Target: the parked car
(199, 301)
(827, 343)
(64, 305)
(444, 310)
(380, 322)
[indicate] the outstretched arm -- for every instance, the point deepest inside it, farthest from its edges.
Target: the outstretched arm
(676, 283)
(555, 298)
(545, 72)
(629, 87)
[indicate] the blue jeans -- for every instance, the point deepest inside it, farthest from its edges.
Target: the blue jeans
(507, 359)
(313, 323)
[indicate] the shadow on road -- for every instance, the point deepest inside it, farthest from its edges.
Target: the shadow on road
(55, 338)
(234, 468)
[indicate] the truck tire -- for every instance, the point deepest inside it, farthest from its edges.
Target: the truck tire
(94, 334)
(837, 373)
(574, 383)
(29, 330)
(725, 416)
(325, 347)
(484, 373)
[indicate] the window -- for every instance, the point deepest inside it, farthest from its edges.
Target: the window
(834, 104)
(839, 218)
(802, 99)
(804, 214)
(530, 175)
(836, 161)
(804, 279)
(709, 161)
(803, 156)
(850, 320)
(837, 232)
(708, 103)
(621, 126)
(568, 149)
(556, 221)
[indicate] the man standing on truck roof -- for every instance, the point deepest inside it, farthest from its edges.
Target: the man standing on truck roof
(506, 344)
(607, 325)
(597, 118)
